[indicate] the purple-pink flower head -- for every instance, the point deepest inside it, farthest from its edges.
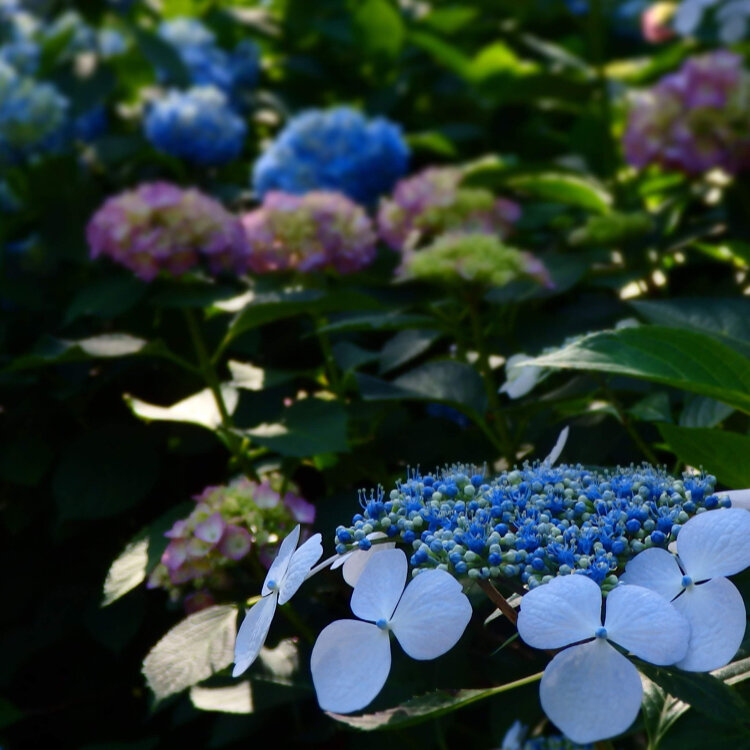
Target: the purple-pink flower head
(301, 510)
(211, 530)
(433, 202)
(235, 543)
(161, 227)
(695, 119)
(312, 232)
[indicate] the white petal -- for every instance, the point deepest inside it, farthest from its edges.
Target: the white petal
(554, 454)
(591, 691)
(350, 664)
(380, 586)
(520, 380)
(341, 559)
(715, 543)
(252, 633)
(279, 566)
(717, 618)
(563, 611)
(646, 624)
(738, 498)
(299, 566)
(355, 564)
(655, 569)
(431, 616)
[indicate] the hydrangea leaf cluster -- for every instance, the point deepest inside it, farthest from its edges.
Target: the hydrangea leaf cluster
(432, 202)
(33, 116)
(197, 125)
(206, 62)
(227, 523)
(533, 523)
(695, 119)
(313, 232)
(161, 227)
(477, 258)
(338, 150)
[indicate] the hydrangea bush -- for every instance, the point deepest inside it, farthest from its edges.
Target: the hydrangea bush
(295, 295)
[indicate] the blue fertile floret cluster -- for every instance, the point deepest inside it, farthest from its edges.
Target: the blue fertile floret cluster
(532, 523)
(337, 149)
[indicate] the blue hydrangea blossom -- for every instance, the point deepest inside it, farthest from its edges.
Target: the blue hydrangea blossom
(337, 149)
(197, 125)
(590, 690)
(710, 547)
(286, 574)
(351, 659)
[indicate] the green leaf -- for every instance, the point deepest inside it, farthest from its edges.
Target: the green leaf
(727, 319)
(405, 346)
(162, 56)
(307, 428)
(426, 707)
(192, 651)
(104, 472)
(561, 187)
(445, 381)
(230, 699)
(385, 321)
(701, 411)
(704, 692)
(252, 378)
(653, 408)
(443, 53)
(200, 408)
(671, 356)
(497, 58)
(105, 298)
(378, 29)
(724, 454)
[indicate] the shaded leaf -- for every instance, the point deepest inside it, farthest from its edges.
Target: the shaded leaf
(426, 707)
(162, 56)
(728, 319)
(106, 298)
(192, 651)
(405, 346)
(385, 321)
(378, 29)
(671, 356)
(307, 428)
(445, 381)
(724, 454)
(701, 411)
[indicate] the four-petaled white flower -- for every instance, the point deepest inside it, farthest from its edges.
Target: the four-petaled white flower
(590, 690)
(354, 562)
(285, 576)
(710, 546)
(351, 659)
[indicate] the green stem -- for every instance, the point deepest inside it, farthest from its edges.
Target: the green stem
(628, 425)
(499, 600)
(332, 370)
(490, 386)
(237, 445)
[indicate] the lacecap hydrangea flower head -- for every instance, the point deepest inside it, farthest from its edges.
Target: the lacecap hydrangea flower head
(433, 202)
(695, 119)
(337, 149)
(533, 523)
(160, 227)
(472, 257)
(197, 125)
(314, 232)
(228, 523)
(33, 117)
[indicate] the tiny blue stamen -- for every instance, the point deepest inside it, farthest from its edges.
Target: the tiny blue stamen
(383, 624)
(271, 585)
(686, 581)
(601, 633)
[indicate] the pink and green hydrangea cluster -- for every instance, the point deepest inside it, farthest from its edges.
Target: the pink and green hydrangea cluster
(433, 202)
(161, 227)
(229, 524)
(695, 119)
(312, 232)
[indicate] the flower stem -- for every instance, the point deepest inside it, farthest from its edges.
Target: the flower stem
(497, 598)
(332, 371)
(237, 446)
